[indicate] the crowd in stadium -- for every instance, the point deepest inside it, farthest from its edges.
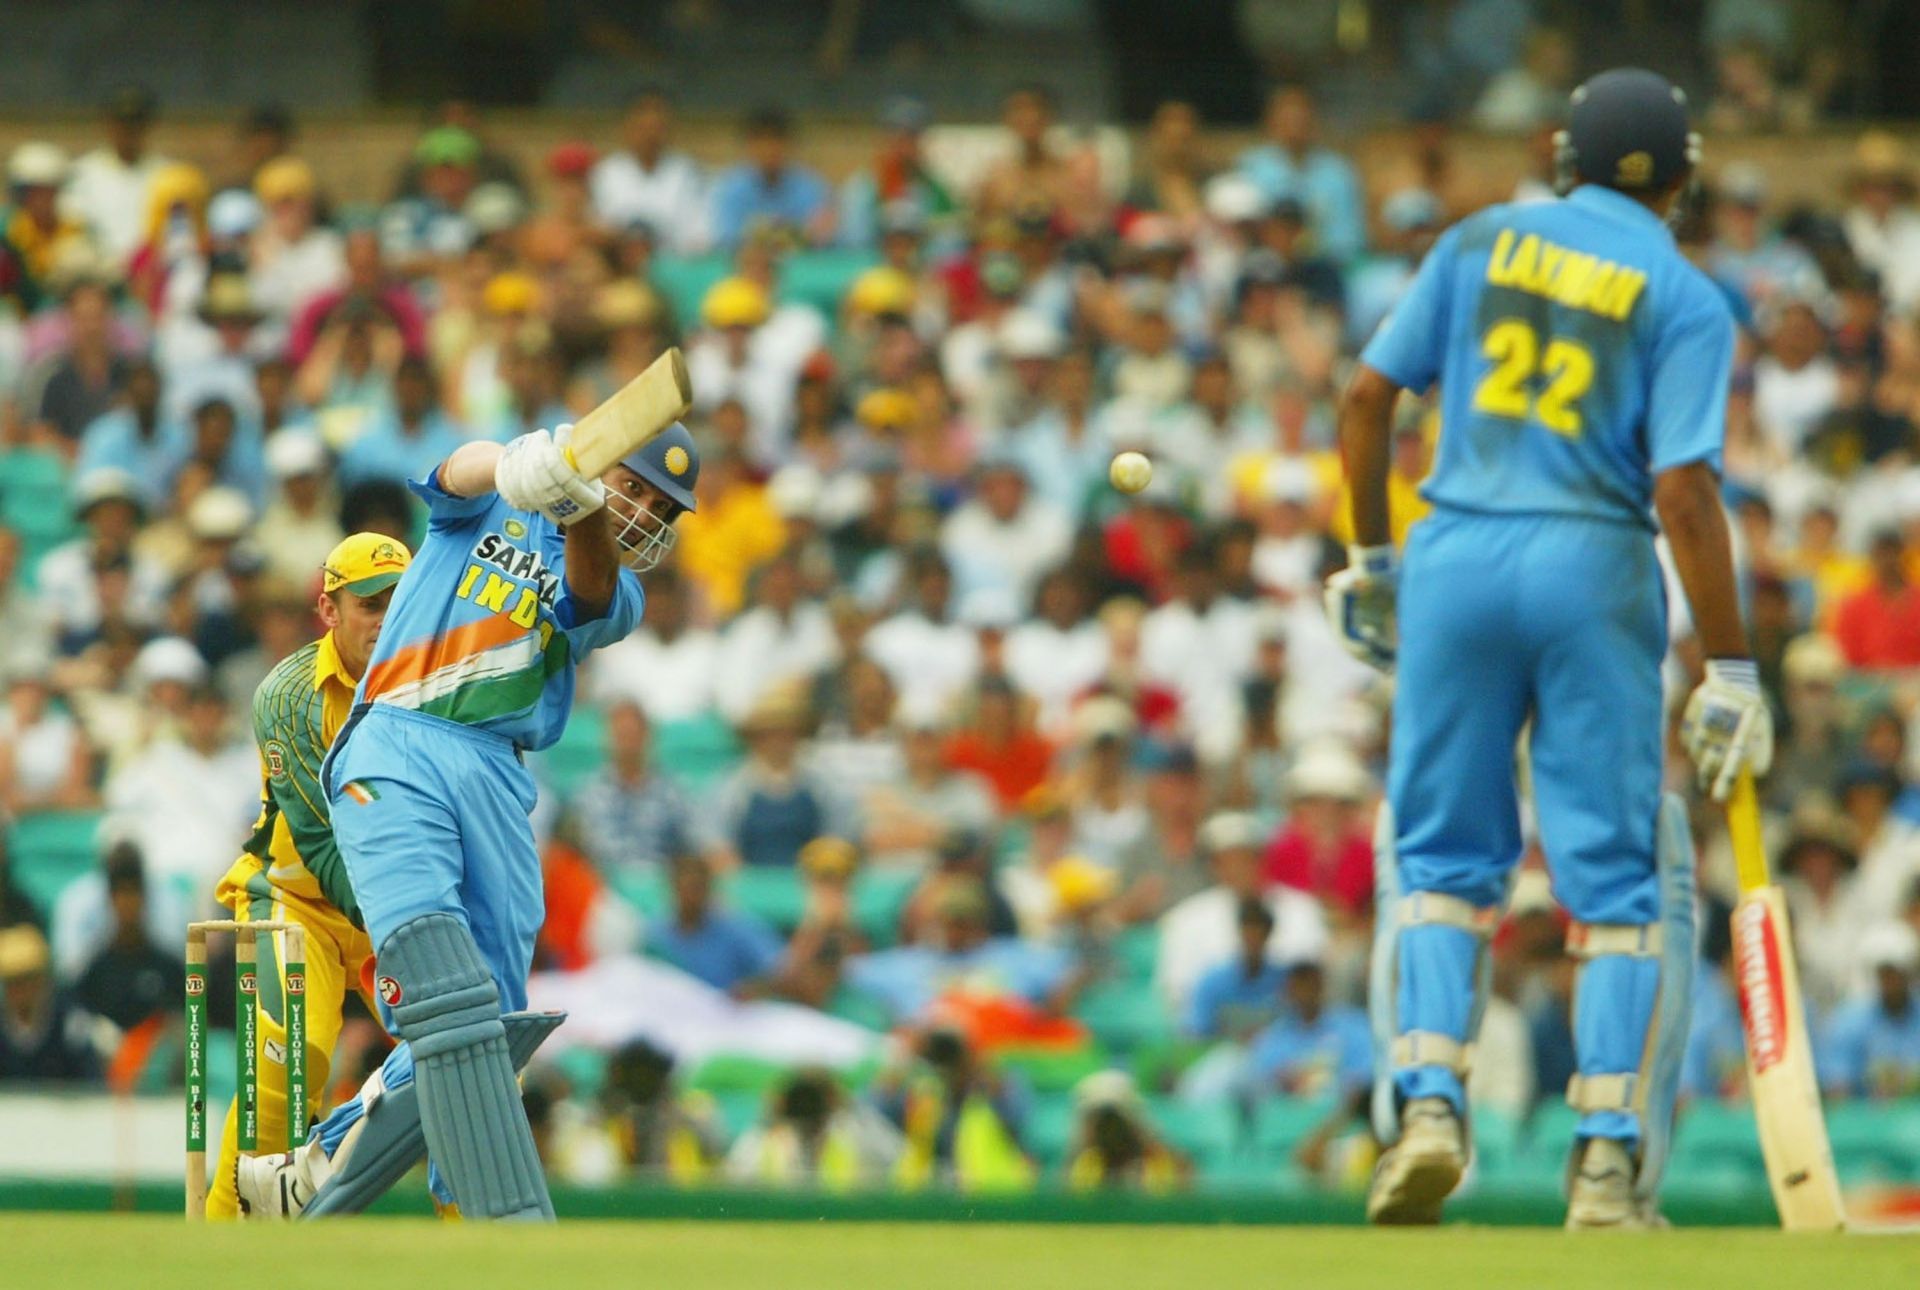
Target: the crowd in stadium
(927, 729)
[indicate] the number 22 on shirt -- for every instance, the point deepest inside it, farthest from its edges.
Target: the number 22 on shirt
(1562, 370)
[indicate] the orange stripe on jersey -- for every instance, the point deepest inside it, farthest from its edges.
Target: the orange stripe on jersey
(416, 662)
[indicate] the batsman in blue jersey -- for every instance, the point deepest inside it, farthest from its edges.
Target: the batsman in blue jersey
(1582, 366)
(526, 568)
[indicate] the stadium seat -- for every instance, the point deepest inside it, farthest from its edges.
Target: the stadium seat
(732, 1073)
(1138, 949)
(1125, 1015)
(1212, 1133)
(1048, 1129)
(577, 755)
(1049, 1071)
(49, 849)
(696, 752)
(1715, 1134)
(878, 898)
(773, 895)
(1876, 1140)
(33, 491)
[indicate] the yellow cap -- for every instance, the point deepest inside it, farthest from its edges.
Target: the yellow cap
(1079, 883)
(284, 177)
(881, 290)
(365, 564)
(829, 857)
(23, 952)
(510, 293)
(735, 302)
(887, 409)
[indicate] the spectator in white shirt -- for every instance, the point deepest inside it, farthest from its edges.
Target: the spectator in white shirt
(1795, 383)
(748, 355)
(1003, 538)
(190, 796)
(1202, 930)
(109, 185)
(1200, 644)
(931, 658)
(107, 503)
(1881, 224)
(294, 258)
(780, 640)
(1060, 653)
(670, 667)
(647, 182)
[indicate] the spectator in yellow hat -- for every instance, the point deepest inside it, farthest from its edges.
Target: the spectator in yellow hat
(294, 257)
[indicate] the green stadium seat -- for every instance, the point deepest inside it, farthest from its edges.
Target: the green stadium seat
(1158, 1065)
(1138, 949)
(646, 892)
(816, 278)
(585, 1069)
(1048, 1129)
(734, 1073)
(1716, 1135)
(580, 752)
(773, 895)
(1877, 1140)
(1281, 1122)
(696, 752)
(739, 1108)
(878, 897)
(49, 849)
(1125, 1015)
(1210, 1132)
(1052, 1071)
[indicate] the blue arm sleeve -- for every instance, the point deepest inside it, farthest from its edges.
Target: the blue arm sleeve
(622, 616)
(444, 510)
(1411, 344)
(1692, 367)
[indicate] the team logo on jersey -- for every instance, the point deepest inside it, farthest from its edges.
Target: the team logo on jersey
(677, 460)
(389, 991)
(275, 1052)
(515, 529)
(358, 791)
(1635, 170)
(276, 753)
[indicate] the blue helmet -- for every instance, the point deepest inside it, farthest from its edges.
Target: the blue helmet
(1627, 129)
(670, 462)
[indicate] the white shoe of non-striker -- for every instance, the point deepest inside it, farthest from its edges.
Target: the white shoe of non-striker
(1601, 1196)
(280, 1185)
(1417, 1174)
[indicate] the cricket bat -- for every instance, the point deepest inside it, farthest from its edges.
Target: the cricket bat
(641, 409)
(1786, 1096)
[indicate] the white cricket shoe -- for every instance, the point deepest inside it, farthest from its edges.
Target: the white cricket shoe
(1601, 1195)
(1421, 1170)
(280, 1185)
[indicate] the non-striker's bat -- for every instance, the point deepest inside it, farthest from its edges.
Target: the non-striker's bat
(1786, 1096)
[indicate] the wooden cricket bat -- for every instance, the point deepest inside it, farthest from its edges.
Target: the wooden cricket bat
(641, 409)
(1786, 1096)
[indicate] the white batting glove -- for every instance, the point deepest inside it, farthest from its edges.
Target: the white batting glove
(1360, 602)
(533, 475)
(1727, 726)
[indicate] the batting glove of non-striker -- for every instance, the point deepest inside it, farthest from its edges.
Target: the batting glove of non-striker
(1727, 727)
(1360, 603)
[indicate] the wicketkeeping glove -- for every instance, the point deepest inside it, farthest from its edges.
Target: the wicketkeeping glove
(1727, 726)
(1360, 602)
(533, 475)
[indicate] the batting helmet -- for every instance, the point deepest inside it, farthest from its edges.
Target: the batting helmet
(1627, 129)
(670, 462)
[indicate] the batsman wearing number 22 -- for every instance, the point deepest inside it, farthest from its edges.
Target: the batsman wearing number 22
(1583, 368)
(525, 568)
(291, 870)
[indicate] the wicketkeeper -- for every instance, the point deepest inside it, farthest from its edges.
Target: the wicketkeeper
(291, 870)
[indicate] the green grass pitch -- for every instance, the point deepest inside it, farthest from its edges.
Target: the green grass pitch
(155, 1253)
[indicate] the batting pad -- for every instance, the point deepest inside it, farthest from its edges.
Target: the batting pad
(393, 1140)
(448, 1010)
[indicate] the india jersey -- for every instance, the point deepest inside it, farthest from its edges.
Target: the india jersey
(482, 630)
(1578, 353)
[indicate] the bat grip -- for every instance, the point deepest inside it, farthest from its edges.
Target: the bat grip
(1743, 829)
